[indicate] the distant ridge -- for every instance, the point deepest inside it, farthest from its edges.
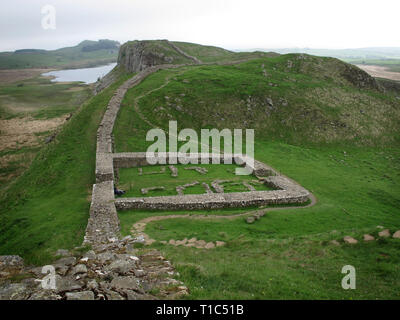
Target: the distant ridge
(88, 53)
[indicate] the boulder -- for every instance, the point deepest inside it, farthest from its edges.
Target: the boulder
(79, 269)
(14, 291)
(43, 294)
(350, 240)
(83, 295)
(368, 237)
(68, 261)
(65, 284)
(384, 233)
(250, 220)
(130, 283)
(10, 265)
(209, 245)
(121, 266)
(90, 255)
(92, 285)
(335, 242)
(396, 235)
(105, 256)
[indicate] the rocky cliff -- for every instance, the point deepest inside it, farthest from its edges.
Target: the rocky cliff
(136, 56)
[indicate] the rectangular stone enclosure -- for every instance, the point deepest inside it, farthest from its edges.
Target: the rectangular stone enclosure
(287, 191)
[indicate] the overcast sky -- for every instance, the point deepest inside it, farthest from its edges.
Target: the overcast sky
(232, 24)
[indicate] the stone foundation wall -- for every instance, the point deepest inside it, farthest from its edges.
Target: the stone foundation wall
(103, 223)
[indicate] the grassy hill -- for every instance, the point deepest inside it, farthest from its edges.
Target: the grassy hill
(386, 57)
(322, 122)
(48, 206)
(86, 54)
(293, 98)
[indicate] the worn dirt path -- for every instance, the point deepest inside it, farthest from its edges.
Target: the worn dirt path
(138, 229)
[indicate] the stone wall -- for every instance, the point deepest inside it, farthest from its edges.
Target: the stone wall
(288, 191)
(103, 223)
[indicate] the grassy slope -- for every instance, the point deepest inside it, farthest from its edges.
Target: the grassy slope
(132, 182)
(71, 57)
(215, 54)
(311, 103)
(354, 177)
(47, 207)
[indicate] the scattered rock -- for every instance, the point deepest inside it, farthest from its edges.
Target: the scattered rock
(92, 284)
(384, 233)
(350, 240)
(121, 266)
(10, 265)
(44, 295)
(368, 237)
(147, 190)
(250, 220)
(209, 245)
(396, 235)
(335, 242)
(14, 291)
(219, 243)
(128, 282)
(80, 268)
(83, 295)
(65, 284)
(69, 261)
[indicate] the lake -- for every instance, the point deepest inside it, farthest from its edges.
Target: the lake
(86, 75)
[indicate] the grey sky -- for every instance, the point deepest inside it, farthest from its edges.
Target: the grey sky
(232, 24)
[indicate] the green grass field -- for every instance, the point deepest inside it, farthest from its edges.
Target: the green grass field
(132, 181)
(287, 254)
(335, 139)
(319, 138)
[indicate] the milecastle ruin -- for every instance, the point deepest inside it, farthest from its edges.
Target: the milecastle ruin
(103, 222)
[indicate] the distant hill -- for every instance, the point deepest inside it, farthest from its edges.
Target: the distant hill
(86, 54)
(382, 56)
(137, 55)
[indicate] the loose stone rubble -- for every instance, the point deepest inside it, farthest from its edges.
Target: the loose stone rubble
(207, 188)
(193, 242)
(200, 170)
(162, 170)
(180, 189)
(350, 240)
(368, 237)
(384, 233)
(112, 271)
(174, 171)
(147, 190)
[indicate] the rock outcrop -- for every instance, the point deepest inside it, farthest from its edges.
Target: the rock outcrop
(136, 56)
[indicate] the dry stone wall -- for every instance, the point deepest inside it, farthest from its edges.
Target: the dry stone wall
(103, 223)
(288, 191)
